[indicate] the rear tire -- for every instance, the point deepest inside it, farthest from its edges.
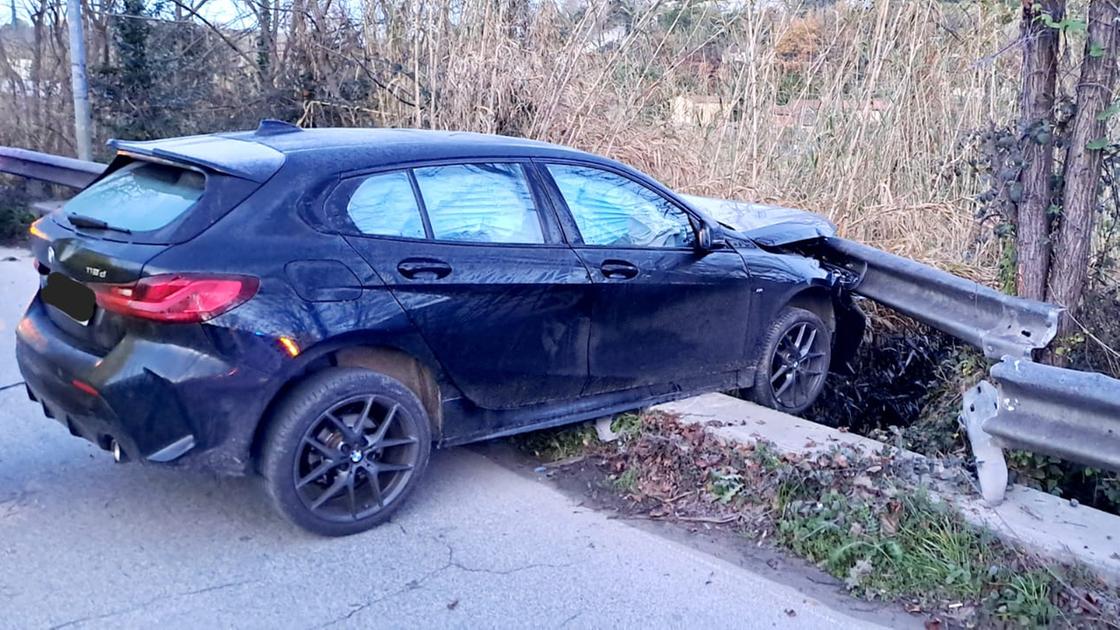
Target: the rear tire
(344, 449)
(793, 365)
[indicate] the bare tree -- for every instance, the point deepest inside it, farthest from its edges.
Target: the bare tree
(1055, 216)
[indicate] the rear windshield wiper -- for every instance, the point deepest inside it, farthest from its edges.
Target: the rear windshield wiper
(81, 220)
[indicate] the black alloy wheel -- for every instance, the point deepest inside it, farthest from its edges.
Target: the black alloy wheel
(344, 450)
(795, 362)
(355, 458)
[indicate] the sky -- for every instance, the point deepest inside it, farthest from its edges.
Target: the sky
(216, 11)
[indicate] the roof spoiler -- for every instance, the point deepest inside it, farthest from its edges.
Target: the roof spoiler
(273, 127)
(227, 155)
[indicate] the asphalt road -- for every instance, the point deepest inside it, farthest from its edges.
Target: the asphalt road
(88, 543)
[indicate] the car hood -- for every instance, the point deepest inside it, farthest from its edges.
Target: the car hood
(765, 224)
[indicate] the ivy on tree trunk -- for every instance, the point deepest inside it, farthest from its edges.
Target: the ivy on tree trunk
(1036, 106)
(1055, 217)
(1083, 159)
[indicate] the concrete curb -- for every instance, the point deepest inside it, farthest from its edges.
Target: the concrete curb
(1035, 521)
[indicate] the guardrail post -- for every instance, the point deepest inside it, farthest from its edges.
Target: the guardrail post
(980, 404)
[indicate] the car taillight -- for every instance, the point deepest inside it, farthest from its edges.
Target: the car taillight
(177, 297)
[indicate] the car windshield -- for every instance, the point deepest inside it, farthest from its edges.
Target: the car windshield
(139, 197)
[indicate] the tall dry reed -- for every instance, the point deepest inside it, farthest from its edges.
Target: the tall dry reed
(856, 110)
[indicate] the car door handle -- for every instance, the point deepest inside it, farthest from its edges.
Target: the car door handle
(423, 268)
(618, 270)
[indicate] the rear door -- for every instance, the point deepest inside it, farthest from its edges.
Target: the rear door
(477, 261)
(664, 311)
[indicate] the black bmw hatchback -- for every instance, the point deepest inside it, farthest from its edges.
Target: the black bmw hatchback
(322, 306)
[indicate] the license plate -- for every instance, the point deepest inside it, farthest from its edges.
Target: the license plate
(71, 297)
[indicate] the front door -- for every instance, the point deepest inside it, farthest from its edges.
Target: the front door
(483, 274)
(663, 310)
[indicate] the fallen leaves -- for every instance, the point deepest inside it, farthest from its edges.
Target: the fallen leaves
(889, 519)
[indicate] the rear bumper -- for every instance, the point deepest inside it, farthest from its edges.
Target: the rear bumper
(159, 402)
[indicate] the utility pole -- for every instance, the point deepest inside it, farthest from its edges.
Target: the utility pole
(78, 84)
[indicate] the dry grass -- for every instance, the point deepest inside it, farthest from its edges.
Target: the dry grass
(855, 112)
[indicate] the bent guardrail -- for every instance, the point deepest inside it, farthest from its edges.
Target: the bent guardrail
(1043, 409)
(998, 324)
(45, 167)
(1069, 414)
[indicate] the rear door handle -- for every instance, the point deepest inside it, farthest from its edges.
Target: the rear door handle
(423, 268)
(618, 270)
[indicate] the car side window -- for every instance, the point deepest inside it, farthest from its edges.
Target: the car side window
(614, 211)
(485, 203)
(385, 205)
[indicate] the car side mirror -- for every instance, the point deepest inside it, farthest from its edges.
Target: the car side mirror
(704, 238)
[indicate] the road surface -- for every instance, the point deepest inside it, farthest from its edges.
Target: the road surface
(86, 543)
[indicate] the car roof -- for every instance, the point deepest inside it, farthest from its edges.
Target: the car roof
(259, 153)
(339, 151)
(347, 149)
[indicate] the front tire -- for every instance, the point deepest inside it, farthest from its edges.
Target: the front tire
(344, 450)
(793, 365)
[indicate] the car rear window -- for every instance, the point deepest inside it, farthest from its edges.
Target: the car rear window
(385, 205)
(141, 196)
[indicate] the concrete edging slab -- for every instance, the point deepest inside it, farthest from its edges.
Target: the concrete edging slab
(1037, 522)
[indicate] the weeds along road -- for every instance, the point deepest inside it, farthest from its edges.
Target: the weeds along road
(88, 543)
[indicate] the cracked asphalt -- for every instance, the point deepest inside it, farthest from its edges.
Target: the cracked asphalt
(86, 543)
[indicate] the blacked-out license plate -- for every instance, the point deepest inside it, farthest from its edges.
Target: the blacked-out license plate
(71, 297)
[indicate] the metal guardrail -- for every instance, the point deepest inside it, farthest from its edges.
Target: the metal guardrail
(980, 404)
(45, 167)
(1069, 414)
(1029, 406)
(998, 324)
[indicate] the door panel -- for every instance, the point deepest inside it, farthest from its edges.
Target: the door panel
(510, 324)
(472, 256)
(663, 310)
(682, 314)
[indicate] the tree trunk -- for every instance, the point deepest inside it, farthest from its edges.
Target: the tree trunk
(264, 43)
(1083, 165)
(1040, 71)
